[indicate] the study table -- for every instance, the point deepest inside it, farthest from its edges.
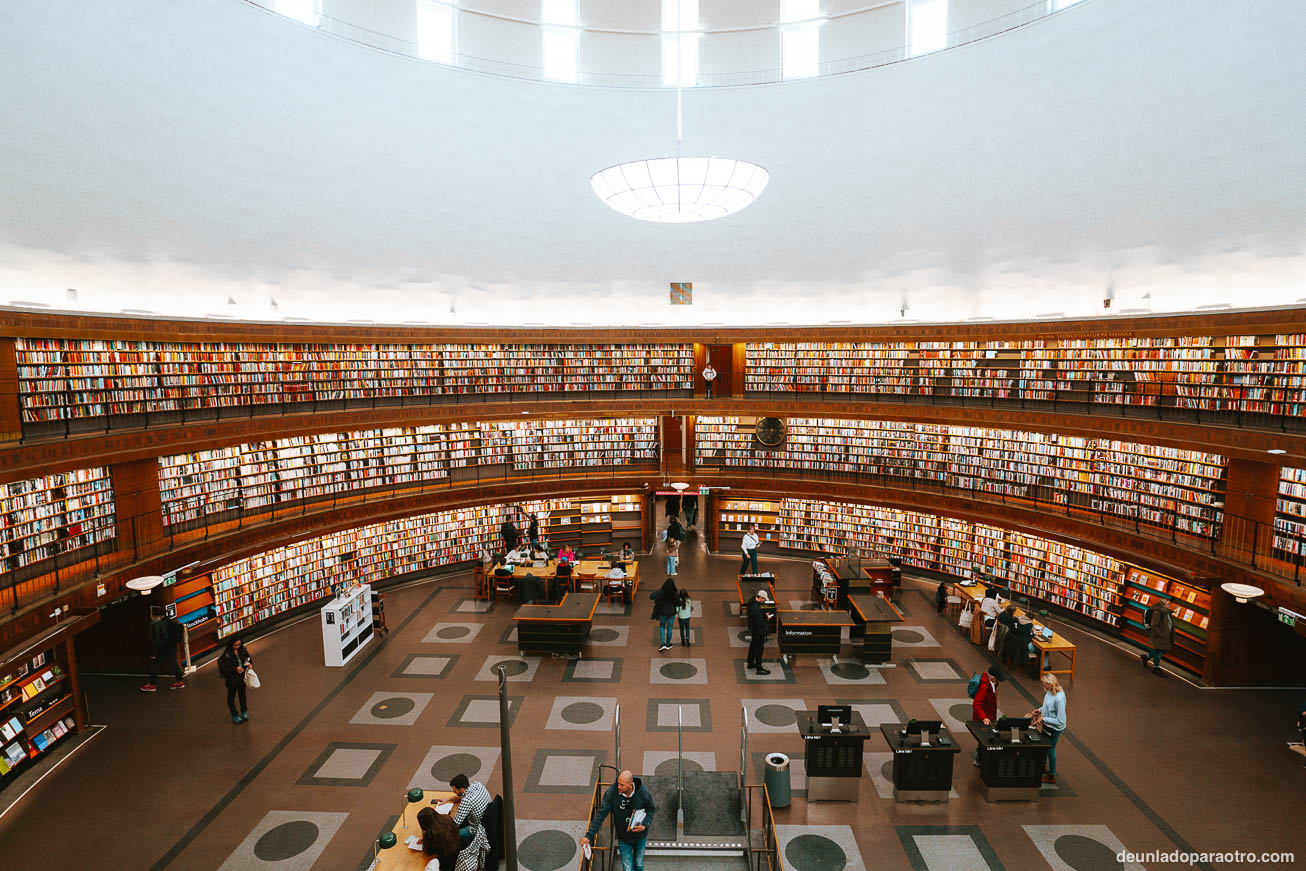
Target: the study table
(1057, 646)
(922, 767)
(873, 618)
(1011, 767)
(560, 629)
(815, 633)
(400, 857)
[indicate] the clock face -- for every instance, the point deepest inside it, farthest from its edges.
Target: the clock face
(771, 431)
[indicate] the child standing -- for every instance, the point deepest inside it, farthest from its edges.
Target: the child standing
(673, 556)
(684, 607)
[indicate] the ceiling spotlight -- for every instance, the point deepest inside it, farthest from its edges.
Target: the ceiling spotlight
(1276, 451)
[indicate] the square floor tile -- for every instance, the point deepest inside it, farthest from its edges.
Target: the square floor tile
(346, 764)
(773, 715)
(427, 665)
(849, 671)
(482, 712)
(695, 636)
(819, 848)
(697, 715)
(935, 670)
(586, 713)
(663, 762)
(509, 636)
(609, 636)
(876, 711)
(565, 771)
(444, 762)
(797, 770)
(1069, 847)
(472, 606)
(392, 709)
(677, 670)
(592, 671)
(780, 673)
(613, 609)
(731, 610)
(521, 669)
(446, 632)
(548, 845)
(739, 635)
(948, 848)
(295, 838)
(913, 636)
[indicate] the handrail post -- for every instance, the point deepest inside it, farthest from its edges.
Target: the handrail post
(505, 742)
(616, 756)
(680, 773)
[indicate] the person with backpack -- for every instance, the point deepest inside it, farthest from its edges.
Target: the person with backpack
(984, 699)
(165, 634)
(1160, 635)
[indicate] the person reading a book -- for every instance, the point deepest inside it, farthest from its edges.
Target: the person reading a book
(439, 837)
(632, 809)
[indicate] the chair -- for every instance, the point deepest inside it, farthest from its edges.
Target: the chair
(614, 588)
(952, 608)
(503, 583)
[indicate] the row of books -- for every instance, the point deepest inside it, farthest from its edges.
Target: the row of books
(15, 753)
(1290, 513)
(55, 513)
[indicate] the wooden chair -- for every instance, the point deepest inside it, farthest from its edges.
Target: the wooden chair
(503, 584)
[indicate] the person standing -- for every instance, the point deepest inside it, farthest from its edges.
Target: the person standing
(623, 800)
(749, 547)
(673, 555)
(709, 375)
(757, 632)
(675, 530)
(231, 666)
(984, 707)
(165, 635)
(664, 609)
(1160, 635)
(508, 530)
(1051, 718)
(689, 505)
(684, 610)
(941, 596)
(533, 530)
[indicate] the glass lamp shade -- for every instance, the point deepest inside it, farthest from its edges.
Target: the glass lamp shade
(680, 190)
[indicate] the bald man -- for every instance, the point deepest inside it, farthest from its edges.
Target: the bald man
(622, 800)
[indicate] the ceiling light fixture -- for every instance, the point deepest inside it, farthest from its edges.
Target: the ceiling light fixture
(1242, 592)
(680, 190)
(1276, 451)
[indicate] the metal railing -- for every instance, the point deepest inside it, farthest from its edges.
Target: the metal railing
(601, 856)
(764, 850)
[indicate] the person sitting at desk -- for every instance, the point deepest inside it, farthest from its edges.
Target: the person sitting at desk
(627, 554)
(615, 580)
(566, 553)
(439, 838)
(990, 607)
(518, 555)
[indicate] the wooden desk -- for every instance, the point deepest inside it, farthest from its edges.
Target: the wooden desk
(560, 629)
(873, 617)
(1058, 645)
(810, 632)
(399, 857)
(597, 570)
(873, 576)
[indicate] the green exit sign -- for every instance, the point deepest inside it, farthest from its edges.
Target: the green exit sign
(1288, 618)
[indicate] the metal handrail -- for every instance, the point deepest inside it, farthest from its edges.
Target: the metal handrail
(743, 769)
(680, 768)
(616, 737)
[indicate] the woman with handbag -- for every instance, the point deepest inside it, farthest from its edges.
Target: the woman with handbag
(234, 665)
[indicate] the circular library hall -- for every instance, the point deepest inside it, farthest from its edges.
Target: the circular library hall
(565, 435)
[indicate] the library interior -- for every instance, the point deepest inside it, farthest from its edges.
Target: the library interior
(925, 380)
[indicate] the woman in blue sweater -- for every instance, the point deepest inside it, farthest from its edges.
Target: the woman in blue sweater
(1052, 719)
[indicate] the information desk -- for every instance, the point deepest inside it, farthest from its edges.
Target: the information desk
(748, 585)
(873, 618)
(1011, 771)
(813, 633)
(873, 576)
(921, 771)
(560, 629)
(1052, 652)
(400, 857)
(833, 761)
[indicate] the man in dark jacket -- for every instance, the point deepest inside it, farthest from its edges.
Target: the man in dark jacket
(757, 632)
(165, 635)
(510, 535)
(623, 800)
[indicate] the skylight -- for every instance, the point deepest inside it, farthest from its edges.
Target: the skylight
(927, 26)
(435, 35)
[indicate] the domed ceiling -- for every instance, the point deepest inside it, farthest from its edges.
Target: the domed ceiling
(213, 159)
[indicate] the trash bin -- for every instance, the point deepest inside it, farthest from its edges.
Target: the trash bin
(776, 779)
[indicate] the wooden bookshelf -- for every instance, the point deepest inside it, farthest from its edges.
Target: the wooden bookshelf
(1191, 610)
(60, 514)
(1290, 514)
(259, 476)
(734, 516)
(252, 590)
(77, 379)
(1159, 486)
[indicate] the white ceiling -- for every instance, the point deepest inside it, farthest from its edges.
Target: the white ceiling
(168, 156)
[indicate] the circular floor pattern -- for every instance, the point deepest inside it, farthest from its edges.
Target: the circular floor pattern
(678, 670)
(1086, 854)
(961, 711)
(388, 709)
(667, 768)
(815, 853)
(742, 635)
(452, 632)
(582, 713)
(907, 636)
(546, 851)
(286, 840)
(604, 635)
(444, 770)
(850, 671)
(775, 715)
(510, 667)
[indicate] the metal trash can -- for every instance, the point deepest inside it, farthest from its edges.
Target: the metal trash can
(776, 778)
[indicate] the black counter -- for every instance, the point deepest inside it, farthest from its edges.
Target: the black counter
(1011, 771)
(560, 629)
(921, 772)
(815, 633)
(873, 617)
(833, 761)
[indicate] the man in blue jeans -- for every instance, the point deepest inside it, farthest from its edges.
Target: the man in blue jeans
(624, 800)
